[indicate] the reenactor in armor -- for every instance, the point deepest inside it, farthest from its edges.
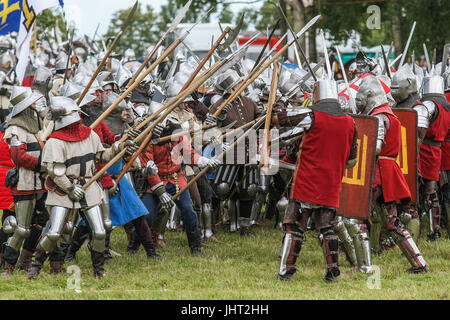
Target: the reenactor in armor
(119, 119)
(188, 114)
(27, 186)
(69, 157)
(390, 185)
(404, 88)
(170, 179)
(58, 78)
(445, 164)
(241, 111)
(406, 94)
(317, 179)
(434, 121)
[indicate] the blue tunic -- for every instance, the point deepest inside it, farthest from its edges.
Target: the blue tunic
(126, 204)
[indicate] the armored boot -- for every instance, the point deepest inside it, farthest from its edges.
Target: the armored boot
(24, 262)
(331, 255)
(39, 258)
(98, 262)
(194, 241)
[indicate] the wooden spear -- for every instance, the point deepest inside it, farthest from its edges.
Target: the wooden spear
(265, 149)
(220, 155)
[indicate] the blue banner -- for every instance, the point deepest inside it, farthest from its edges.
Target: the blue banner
(10, 14)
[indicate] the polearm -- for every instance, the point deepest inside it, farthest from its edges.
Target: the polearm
(266, 44)
(185, 132)
(427, 58)
(265, 149)
(180, 98)
(407, 45)
(258, 71)
(297, 42)
(206, 57)
(149, 129)
(180, 16)
(108, 53)
(220, 155)
(141, 78)
(68, 57)
(386, 63)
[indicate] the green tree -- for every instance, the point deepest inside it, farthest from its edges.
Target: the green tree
(139, 34)
(46, 22)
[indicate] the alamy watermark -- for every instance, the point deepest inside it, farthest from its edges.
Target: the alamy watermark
(74, 281)
(374, 20)
(374, 281)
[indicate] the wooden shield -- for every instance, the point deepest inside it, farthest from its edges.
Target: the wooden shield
(408, 156)
(356, 192)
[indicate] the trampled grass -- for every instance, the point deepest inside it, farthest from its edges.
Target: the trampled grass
(236, 269)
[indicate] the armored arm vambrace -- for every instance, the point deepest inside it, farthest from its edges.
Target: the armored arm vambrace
(57, 172)
(301, 118)
(383, 125)
(425, 113)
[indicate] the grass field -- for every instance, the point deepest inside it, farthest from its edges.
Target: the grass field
(236, 269)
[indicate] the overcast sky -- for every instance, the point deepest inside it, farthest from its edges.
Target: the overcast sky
(87, 14)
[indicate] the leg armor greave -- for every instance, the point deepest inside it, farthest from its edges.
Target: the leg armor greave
(358, 232)
(232, 211)
(207, 219)
(406, 243)
(94, 218)
(52, 232)
(290, 249)
(376, 219)
(105, 208)
(24, 212)
(347, 242)
(257, 206)
(331, 251)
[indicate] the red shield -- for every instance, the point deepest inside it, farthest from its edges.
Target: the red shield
(356, 192)
(407, 158)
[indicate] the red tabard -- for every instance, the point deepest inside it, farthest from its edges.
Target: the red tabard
(445, 158)
(5, 164)
(430, 156)
(387, 172)
(322, 159)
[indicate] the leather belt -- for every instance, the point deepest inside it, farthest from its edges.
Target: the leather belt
(387, 158)
(174, 176)
(432, 142)
(5, 167)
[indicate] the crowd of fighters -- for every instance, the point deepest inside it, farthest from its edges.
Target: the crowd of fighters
(49, 153)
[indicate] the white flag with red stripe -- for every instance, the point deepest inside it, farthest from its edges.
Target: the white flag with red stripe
(354, 87)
